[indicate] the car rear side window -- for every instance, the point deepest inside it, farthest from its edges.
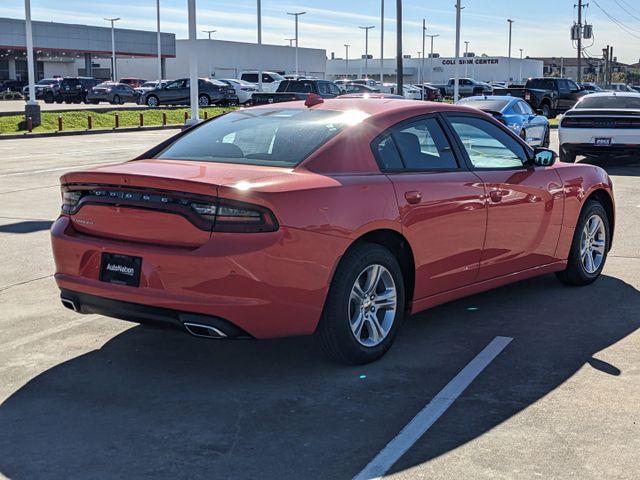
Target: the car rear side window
(279, 138)
(488, 146)
(416, 146)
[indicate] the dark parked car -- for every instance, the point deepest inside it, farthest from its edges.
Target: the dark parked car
(431, 93)
(178, 92)
(46, 89)
(358, 88)
(116, 93)
(133, 82)
(290, 90)
(12, 85)
(548, 96)
(150, 85)
(75, 89)
(590, 87)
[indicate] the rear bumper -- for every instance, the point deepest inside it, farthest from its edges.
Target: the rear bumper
(266, 284)
(135, 312)
(589, 150)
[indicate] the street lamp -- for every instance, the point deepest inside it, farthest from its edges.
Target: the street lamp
(32, 108)
(114, 67)
(510, 27)
(466, 54)
(209, 32)
(346, 46)
(520, 79)
(296, 14)
(431, 57)
(381, 42)
(456, 68)
(366, 48)
(259, 14)
(193, 64)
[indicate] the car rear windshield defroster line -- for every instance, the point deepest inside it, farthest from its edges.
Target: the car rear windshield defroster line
(273, 137)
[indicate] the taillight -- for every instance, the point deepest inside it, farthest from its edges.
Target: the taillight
(232, 216)
(527, 96)
(70, 199)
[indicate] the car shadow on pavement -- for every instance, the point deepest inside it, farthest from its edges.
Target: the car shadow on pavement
(27, 226)
(152, 403)
(624, 167)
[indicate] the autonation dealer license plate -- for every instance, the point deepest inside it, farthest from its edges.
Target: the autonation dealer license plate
(120, 269)
(602, 142)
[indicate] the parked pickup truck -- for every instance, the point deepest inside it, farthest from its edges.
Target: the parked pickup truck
(290, 90)
(467, 87)
(547, 96)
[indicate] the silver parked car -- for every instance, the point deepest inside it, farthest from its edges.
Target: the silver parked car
(178, 92)
(115, 93)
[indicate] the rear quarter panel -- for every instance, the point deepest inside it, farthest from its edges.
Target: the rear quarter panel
(579, 183)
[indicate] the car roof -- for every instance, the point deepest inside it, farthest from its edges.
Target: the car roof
(376, 107)
(614, 94)
(502, 98)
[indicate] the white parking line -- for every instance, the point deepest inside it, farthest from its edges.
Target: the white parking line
(69, 167)
(417, 427)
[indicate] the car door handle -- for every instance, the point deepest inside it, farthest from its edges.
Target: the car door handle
(413, 197)
(495, 195)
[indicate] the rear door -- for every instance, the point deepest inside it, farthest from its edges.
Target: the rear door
(441, 203)
(525, 204)
(175, 91)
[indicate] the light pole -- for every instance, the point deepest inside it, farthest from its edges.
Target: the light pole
(297, 14)
(381, 42)
(159, 42)
(366, 48)
(399, 59)
(424, 32)
(346, 46)
(259, 13)
(431, 57)
(456, 78)
(114, 67)
(209, 32)
(193, 63)
(32, 108)
(510, 28)
(466, 53)
(520, 78)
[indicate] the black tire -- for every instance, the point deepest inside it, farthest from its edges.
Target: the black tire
(546, 110)
(116, 100)
(575, 273)
(567, 157)
(546, 139)
(204, 100)
(48, 97)
(334, 331)
(152, 101)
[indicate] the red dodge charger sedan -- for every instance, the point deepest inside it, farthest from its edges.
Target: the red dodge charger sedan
(335, 218)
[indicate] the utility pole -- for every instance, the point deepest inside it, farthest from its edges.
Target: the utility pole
(193, 63)
(579, 77)
(399, 67)
(114, 68)
(259, 13)
(520, 77)
(297, 14)
(466, 53)
(381, 42)
(456, 79)
(159, 41)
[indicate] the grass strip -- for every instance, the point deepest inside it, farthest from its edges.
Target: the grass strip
(77, 120)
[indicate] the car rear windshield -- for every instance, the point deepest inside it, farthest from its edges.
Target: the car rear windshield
(72, 82)
(486, 105)
(269, 137)
(609, 101)
(540, 83)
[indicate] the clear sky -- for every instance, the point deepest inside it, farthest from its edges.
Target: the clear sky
(541, 27)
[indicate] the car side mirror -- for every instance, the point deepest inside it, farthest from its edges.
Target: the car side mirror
(544, 157)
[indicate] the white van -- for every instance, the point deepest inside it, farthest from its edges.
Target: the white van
(270, 80)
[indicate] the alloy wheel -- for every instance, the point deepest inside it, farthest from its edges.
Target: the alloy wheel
(592, 244)
(372, 305)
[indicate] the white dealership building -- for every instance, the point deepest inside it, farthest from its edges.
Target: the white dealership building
(437, 69)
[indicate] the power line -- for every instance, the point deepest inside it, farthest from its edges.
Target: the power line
(617, 22)
(627, 11)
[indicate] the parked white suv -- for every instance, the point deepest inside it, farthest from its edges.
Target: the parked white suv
(270, 80)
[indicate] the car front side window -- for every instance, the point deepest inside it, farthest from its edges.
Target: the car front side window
(487, 145)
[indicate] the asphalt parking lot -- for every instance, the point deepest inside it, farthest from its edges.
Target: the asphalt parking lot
(92, 397)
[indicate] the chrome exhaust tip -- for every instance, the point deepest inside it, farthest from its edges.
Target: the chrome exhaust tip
(70, 304)
(203, 331)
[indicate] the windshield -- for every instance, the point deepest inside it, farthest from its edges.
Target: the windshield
(278, 138)
(489, 105)
(610, 101)
(46, 81)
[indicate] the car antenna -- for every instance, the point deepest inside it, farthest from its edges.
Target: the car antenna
(313, 99)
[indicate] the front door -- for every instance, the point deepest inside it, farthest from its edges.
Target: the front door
(525, 204)
(441, 204)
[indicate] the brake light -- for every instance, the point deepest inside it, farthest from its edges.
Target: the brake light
(233, 216)
(70, 199)
(527, 96)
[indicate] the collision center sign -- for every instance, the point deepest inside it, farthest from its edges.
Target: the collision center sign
(472, 61)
